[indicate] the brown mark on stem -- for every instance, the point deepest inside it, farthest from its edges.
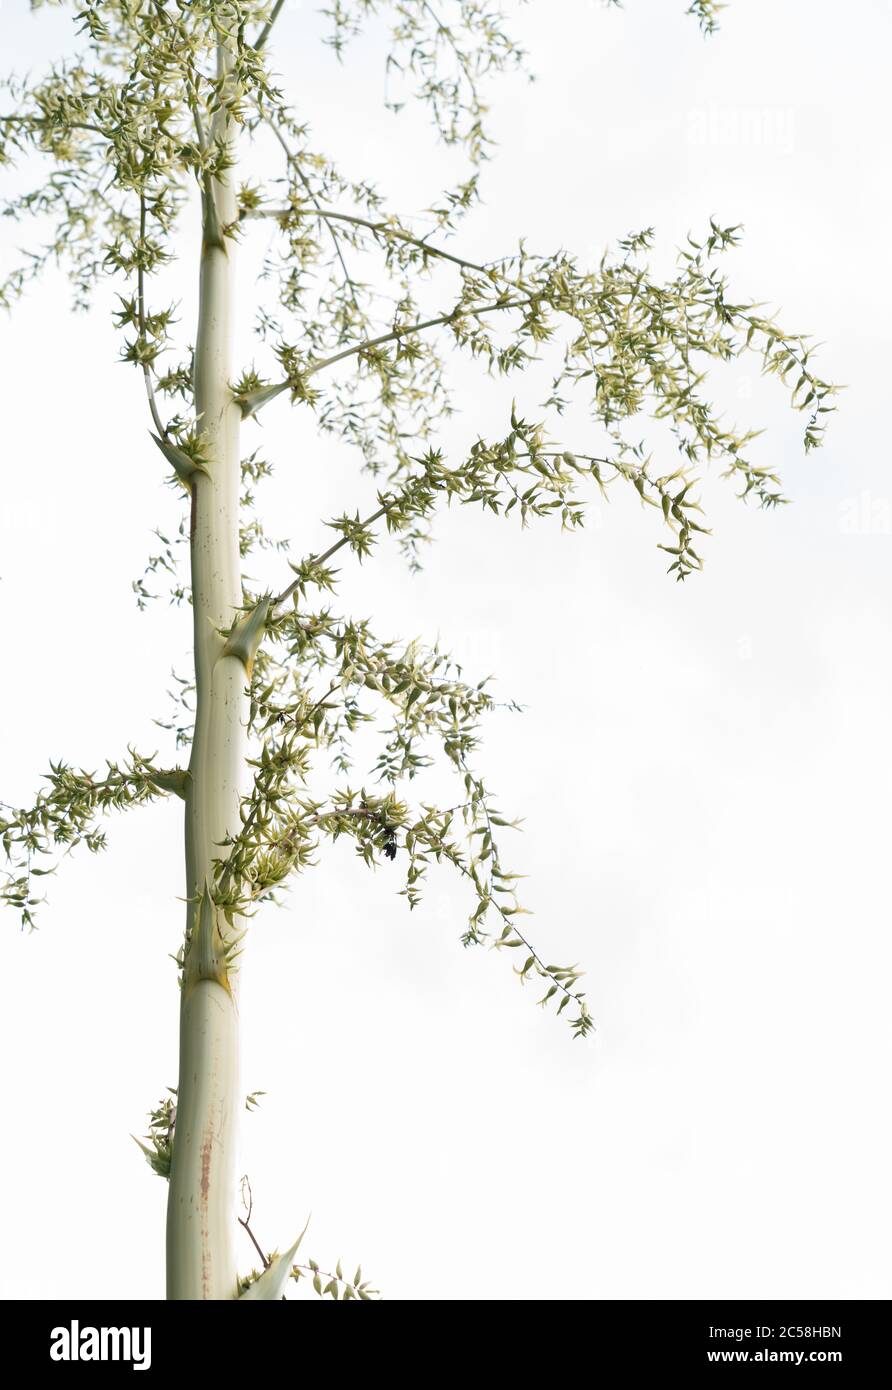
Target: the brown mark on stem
(204, 1194)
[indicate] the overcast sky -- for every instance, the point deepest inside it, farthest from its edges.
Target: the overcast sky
(703, 770)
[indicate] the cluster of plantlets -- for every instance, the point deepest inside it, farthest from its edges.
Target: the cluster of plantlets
(141, 143)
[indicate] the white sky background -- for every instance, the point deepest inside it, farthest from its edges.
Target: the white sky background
(704, 770)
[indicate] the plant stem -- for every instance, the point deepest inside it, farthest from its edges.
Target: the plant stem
(201, 1222)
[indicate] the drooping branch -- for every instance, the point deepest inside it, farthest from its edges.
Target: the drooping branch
(295, 164)
(634, 344)
(141, 301)
(254, 400)
(65, 815)
(27, 122)
(382, 229)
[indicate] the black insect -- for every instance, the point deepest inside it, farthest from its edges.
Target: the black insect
(390, 845)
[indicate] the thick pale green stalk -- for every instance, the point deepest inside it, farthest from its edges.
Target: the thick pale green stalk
(201, 1218)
